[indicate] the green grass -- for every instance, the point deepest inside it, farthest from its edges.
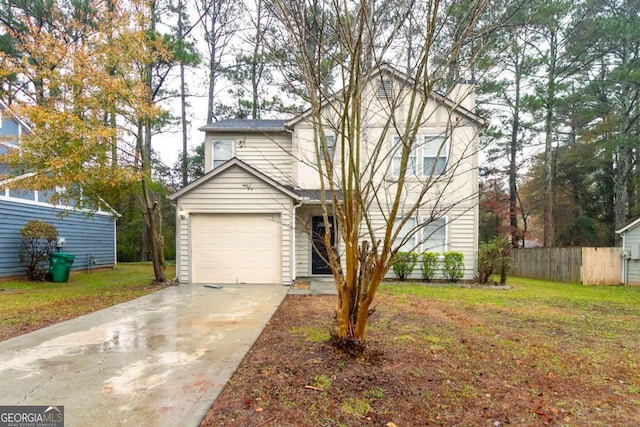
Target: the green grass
(538, 353)
(523, 291)
(584, 321)
(313, 334)
(25, 305)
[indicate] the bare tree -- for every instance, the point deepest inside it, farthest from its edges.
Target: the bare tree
(220, 24)
(369, 179)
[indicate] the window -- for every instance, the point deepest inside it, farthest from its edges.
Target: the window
(331, 143)
(434, 155)
(222, 152)
(409, 244)
(397, 158)
(434, 234)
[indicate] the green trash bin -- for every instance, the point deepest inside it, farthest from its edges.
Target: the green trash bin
(60, 266)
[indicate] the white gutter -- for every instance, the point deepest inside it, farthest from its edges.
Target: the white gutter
(293, 238)
(625, 261)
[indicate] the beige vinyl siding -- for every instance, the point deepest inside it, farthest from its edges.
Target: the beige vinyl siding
(269, 153)
(632, 266)
(462, 234)
(462, 140)
(455, 192)
(234, 191)
(461, 237)
(290, 159)
(303, 254)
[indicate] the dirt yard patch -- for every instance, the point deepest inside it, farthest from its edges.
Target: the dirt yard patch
(446, 358)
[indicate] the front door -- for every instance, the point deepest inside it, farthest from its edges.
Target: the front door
(319, 257)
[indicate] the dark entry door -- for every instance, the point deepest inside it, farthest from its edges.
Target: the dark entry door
(319, 256)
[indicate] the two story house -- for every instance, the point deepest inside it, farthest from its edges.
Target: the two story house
(90, 238)
(256, 217)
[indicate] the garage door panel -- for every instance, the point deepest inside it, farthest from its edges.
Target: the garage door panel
(242, 248)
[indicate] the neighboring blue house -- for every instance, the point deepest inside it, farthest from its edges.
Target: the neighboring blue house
(90, 238)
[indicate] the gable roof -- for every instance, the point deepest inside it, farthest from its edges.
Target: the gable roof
(21, 122)
(246, 125)
(629, 226)
(14, 116)
(229, 164)
(405, 78)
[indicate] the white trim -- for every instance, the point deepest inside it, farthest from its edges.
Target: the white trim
(625, 261)
(49, 205)
(293, 266)
(233, 162)
(629, 226)
(16, 118)
(10, 145)
(115, 244)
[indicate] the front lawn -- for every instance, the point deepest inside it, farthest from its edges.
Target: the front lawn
(537, 354)
(26, 306)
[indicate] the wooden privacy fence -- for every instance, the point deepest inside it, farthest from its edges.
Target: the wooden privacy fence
(589, 266)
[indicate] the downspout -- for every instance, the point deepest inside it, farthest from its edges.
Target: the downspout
(293, 240)
(625, 260)
(289, 129)
(178, 233)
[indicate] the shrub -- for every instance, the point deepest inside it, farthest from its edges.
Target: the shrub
(487, 256)
(494, 255)
(38, 241)
(430, 261)
(404, 263)
(453, 266)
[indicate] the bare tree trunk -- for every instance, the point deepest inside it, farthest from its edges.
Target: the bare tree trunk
(183, 100)
(549, 184)
(212, 84)
(150, 205)
(620, 187)
(513, 152)
(257, 64)
(367, 191)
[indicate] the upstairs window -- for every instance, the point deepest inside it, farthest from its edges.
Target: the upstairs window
(434, 235)
(396, 160)
(331, 143)
(222, 152)
(434, 155)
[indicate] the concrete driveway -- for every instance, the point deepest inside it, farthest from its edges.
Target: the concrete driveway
(160, 360)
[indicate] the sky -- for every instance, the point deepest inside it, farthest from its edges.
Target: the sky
(169, 144)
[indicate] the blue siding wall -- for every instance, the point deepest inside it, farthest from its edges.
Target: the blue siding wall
(86, 236)
(9, 126)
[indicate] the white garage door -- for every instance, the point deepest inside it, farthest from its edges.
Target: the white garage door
(238, 248)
